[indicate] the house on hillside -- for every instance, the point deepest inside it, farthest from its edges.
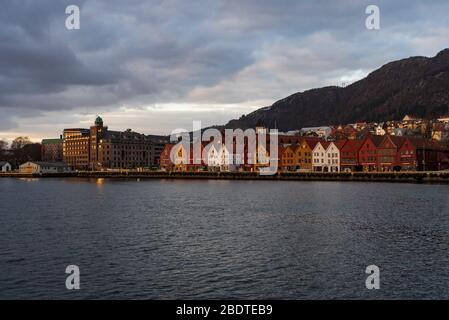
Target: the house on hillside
(321, 132)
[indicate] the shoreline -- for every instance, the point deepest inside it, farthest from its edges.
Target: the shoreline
(401, 177)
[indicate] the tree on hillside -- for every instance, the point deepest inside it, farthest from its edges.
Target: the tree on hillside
(30, 152)
(3, 146)
(20, 142)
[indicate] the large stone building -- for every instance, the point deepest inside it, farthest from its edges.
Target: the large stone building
(52, 150)
(98, 148)
(76, 147)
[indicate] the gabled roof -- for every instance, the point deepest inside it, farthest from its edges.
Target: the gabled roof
(2, 163)
(324, 144)
(340, 143)
(292, 147)
(398, 141)
(281, 149)
(377, 140)
(287, 139)
(355, 144)
(312, 142)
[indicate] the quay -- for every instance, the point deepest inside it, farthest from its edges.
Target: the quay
(407, 177)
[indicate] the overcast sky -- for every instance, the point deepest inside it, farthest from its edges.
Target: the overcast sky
(155, 66)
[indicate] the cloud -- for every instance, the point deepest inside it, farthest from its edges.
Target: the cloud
(204, 57)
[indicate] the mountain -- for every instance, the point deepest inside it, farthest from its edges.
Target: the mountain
(416, 86)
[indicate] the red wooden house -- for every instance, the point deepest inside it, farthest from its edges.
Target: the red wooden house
(368, 157)
(406, 154)
(387, 153)
(343, 133)
(349, 156)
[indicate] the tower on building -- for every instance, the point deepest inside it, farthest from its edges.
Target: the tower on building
(98, 122)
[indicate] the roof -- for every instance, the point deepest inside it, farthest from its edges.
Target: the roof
(398, 141)
(353, 143)
(377, 140)
(2, 163)
(287, 139)
(340, 143)
(76, 129)
(325, 144)
(48, 164)
(312, 142)
(51, 141)
(292, 147)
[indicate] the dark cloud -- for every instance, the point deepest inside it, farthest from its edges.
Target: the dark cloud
(141, 53)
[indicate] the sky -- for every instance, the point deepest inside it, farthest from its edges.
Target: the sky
(155, 66)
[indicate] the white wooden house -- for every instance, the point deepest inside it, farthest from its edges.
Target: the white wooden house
(326, 157)
(5, 166)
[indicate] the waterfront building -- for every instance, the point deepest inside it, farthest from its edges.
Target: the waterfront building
(406, 155)
(183, 157)
(332, 157)
(304, 153)
(212, 156)
(261, 158)
(5, 166)
(326, 156)
(39, 167)
(368, 152)
(165, 160)
(288, 158)
(228, 161)
(99, 148)
(218, 157)
(430, 155)
(297, 157)
(396, 154)
(349, 156)
(52, 150)
(319, 156)
(76, 148)
(387, 153)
